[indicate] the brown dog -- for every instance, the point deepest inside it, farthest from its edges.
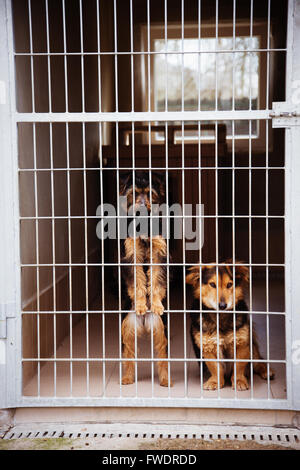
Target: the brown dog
(145, 284)
(215, 332)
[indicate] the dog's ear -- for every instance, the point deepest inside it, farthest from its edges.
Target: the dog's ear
(159, 180)
(207, 272)
(194, 276)
(195, 272)
(241, 273)
(125, 179)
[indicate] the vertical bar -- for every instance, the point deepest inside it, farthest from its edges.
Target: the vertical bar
(184, 262)
(102, 267)
(119, 255)
(182, 56)
(86, 257)
(70, 257)
(150, 182)
(148, 55)
(82, 57)
(31, 57)
(133, 184)
(116, 56)
(131, 57)
(250, 258)
(100, 125)
(268, 56)
(250, 213)
(199, 59)
(183, 203)
(217, 194)
(267, 257)
(217, 253)
(166, 55)
(267, 201)
(151, 256)
(48, 56)
(234, 53)
(216, 54)
(10, 285)
(35, 201)
(118, 186)
(37, 258)
(251, 53)
(233, 254)
(168, 253)
(85, 201)
(134, 262)
(65, 54)
(98, 55)
(200, 197)
(200, 256)
(53, 253)
(233, 195)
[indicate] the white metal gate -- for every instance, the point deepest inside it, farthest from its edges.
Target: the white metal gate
(38, 181)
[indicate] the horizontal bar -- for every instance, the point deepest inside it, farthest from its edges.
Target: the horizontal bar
(175, 168)
(253, 265)
(60, 217)
(158, 401)
(112, 312)
(150, 359)
(145, 53)
(159, 116)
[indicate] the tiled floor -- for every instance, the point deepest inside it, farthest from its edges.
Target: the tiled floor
(97, 380)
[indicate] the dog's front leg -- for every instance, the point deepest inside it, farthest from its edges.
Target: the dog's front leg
(136, 279)
(238, 378)
(157, 275)
(212, 349)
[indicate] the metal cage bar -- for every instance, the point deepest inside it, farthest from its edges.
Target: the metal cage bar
(110, 317)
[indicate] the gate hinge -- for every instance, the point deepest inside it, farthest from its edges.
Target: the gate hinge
(7, 310)
(284, 114)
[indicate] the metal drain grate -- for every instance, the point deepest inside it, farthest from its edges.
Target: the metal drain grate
(288, 437)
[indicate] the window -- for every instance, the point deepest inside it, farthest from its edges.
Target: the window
(216, 72)
(203, 90)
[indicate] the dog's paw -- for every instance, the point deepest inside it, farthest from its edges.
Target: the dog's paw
(241, 383)
(140, 308)
(164, 382)
(127, 380)
(264, 374)
(212, 384)
(262, 370)
(157, 308)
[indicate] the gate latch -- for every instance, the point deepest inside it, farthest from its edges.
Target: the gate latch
(285, 115)
(7, 310)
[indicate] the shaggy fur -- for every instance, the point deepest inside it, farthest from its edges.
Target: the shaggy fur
(145, 284)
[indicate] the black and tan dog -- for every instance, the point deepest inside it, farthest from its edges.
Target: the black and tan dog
(231, 296)
(145, 284)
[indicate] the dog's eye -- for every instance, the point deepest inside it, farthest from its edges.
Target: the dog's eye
(229, 285)
(212, 284)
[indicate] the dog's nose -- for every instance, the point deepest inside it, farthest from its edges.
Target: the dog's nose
(222, 305)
